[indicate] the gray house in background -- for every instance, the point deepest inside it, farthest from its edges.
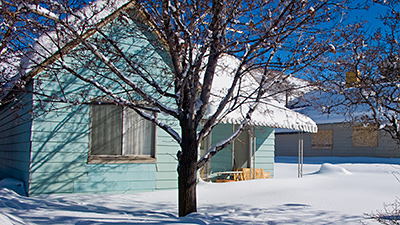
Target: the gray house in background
(337, 139)
(336, 136)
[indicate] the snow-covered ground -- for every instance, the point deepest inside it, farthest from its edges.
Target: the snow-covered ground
(339, 192)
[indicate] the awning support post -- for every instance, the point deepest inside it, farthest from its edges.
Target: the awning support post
(301, 154)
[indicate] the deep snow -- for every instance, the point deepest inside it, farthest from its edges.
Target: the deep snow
(332, 191)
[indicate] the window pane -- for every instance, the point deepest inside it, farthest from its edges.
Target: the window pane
(106, 130)
(323, 139)
(139, 135)
(365, 136)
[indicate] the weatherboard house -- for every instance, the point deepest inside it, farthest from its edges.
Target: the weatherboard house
(101, 148)
(337, 134)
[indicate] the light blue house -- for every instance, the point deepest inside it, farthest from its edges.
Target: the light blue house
(104, 148)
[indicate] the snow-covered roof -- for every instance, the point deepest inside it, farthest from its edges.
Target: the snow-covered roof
(44, 52)
(269, 113)
(330, 106)
(286, 87)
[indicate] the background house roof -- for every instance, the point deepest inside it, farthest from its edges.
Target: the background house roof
(330, 106)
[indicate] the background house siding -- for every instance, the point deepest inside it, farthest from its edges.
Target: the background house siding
(287, 144)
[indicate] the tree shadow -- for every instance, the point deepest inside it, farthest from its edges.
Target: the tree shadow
(337, 159)
(135, 209)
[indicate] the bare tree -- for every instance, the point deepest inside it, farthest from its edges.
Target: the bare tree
(389, 215)
(58, 37)
(362, 80)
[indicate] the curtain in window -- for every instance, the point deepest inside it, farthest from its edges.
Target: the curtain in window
(106, 130)
(139, 135)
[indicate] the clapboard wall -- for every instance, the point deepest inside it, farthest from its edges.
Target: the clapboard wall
(287, 144)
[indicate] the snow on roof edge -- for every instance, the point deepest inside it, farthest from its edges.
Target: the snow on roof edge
(97, 18)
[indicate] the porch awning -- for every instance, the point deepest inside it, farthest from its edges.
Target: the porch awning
(268, 113)
(272, 114)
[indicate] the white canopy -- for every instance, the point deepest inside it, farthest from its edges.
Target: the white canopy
(269, 112)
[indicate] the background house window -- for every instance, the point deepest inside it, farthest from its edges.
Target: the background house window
(117, 131)
(323, 139)
(365, 136)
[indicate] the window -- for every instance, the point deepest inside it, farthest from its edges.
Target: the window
(120, 135)
(365, 136)
(323, 139)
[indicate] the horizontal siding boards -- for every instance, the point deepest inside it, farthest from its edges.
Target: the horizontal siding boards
(386, 146)
(14, 137)
(170, 148)
(167, 148)
(167, 180)
(265, 149)
(67, 167)
(70, 86)
(167, 158)
(50, 188)
(166, 184)
(60, 146)
(49, 177)
(222, 161)
(61, 127)
(167, 167)
(18, 110)
(287, 144)
(265, 153)
(12, 154)
(114, 187)
(97, 178)
(15, 127)
(59, 177)
(69, 147)
(60, 154)
(14, 124)
(60, 137)
(38, 158)
(118, 178)
(163, 174)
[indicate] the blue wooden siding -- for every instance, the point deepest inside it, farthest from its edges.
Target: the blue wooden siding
(59, 149)
(167, 147)
(60, 138)
(265, 149)
(15, 136)
(60, 146)
(222, 161)
(118, 178)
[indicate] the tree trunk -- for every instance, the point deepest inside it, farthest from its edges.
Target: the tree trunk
(187, 173)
